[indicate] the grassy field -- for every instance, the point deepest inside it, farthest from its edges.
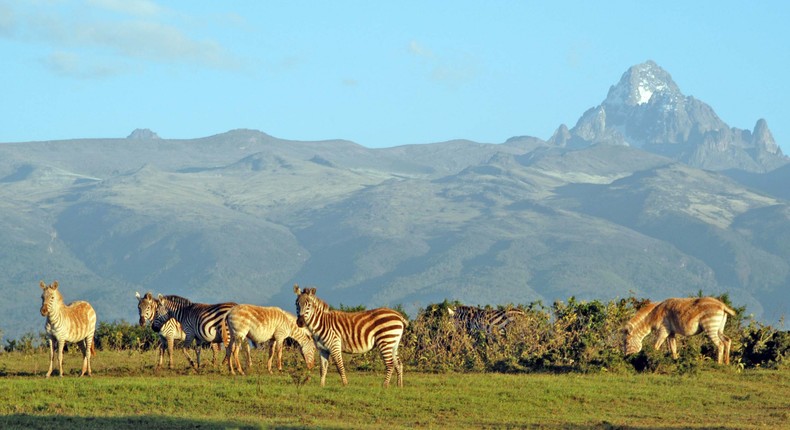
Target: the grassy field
(126, 392)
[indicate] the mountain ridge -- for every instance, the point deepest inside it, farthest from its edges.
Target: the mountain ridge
(242, 216)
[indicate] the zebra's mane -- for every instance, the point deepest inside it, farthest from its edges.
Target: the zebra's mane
(178, 300)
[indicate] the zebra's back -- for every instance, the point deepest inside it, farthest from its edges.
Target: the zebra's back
(259, 323)
(689, 316)
(362, 331)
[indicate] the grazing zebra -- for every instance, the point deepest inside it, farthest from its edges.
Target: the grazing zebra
(474, 319)
(75, 322)
(265, 324)
(679, 317)
(201, 322)
(169, 329)
(336, 332)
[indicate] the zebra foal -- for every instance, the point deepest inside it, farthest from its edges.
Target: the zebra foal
(75, 322)
(679, 317)
(265, 324)
(336, 332)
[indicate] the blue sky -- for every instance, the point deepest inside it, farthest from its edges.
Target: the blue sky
(376, 73)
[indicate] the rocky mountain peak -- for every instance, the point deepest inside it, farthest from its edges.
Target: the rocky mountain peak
(763, 138)
(640, 83)
(647, 110)
(143, 134)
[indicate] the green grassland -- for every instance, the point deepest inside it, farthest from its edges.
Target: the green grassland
(126, 391)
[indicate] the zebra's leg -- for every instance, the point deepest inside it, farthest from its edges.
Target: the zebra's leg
(229, 356)
(713, 335)
(170, 346)
(272, 347)
(236, 351)
(279, 344)
(727, 344)
(83, 345)
(337, 355)
(61, 344)
(198, 349)
(249, 354)
(89, 350)
(215, 349)
(673, 345)
(51, 355)
(324, 364)
(230, 353)
(186, 345)
(661, 336)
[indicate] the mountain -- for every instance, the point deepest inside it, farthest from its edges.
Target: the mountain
(647, 110)
(595, 213)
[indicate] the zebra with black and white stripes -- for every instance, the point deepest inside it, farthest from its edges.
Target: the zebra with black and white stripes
(203, 323)
(75, 322)
(474, 319)
(336, 332)
(169, 329)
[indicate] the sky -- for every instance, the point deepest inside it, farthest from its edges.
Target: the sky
(378, 73)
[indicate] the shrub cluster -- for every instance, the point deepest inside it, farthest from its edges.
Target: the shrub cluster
(579, 336)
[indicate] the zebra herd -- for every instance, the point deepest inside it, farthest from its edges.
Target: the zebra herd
(316, 327)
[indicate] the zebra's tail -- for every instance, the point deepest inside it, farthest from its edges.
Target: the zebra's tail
(728, 310)
(225, 332)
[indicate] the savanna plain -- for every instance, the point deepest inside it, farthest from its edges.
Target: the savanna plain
(127, 391)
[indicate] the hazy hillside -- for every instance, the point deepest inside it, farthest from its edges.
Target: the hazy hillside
(242, 216)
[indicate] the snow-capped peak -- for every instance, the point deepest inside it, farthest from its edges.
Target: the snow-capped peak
(639, 84)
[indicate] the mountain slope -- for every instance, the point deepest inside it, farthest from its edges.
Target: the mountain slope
(615, 206)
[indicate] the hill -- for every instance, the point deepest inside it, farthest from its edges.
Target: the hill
(242, 216)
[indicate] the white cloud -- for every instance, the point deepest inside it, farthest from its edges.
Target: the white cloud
(72, 65)
(419, 50)
(135, 31)
(453, 70)
(129, 7)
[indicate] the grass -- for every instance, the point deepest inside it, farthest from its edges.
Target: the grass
(126, 392)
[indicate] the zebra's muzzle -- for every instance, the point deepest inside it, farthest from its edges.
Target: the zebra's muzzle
(300, 321)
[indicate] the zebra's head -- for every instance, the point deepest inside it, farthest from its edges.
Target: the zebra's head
(161, 314)
(305, 304)
(146, 307)
(50, 296)
(631, 344)
(307, 347)
(637, 328)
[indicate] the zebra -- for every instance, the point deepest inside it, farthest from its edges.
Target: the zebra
(169, 329)
(679, 317)
(204, 323)
(474, 319)
(336, 332)
(265, 324)
(75, 322)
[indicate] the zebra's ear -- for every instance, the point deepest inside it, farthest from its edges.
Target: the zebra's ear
(137, 294)
(451, 311)
(296, 289)
(149, 296)
(160, 297)
(54, 285)
(42, 285)
(312, 291)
